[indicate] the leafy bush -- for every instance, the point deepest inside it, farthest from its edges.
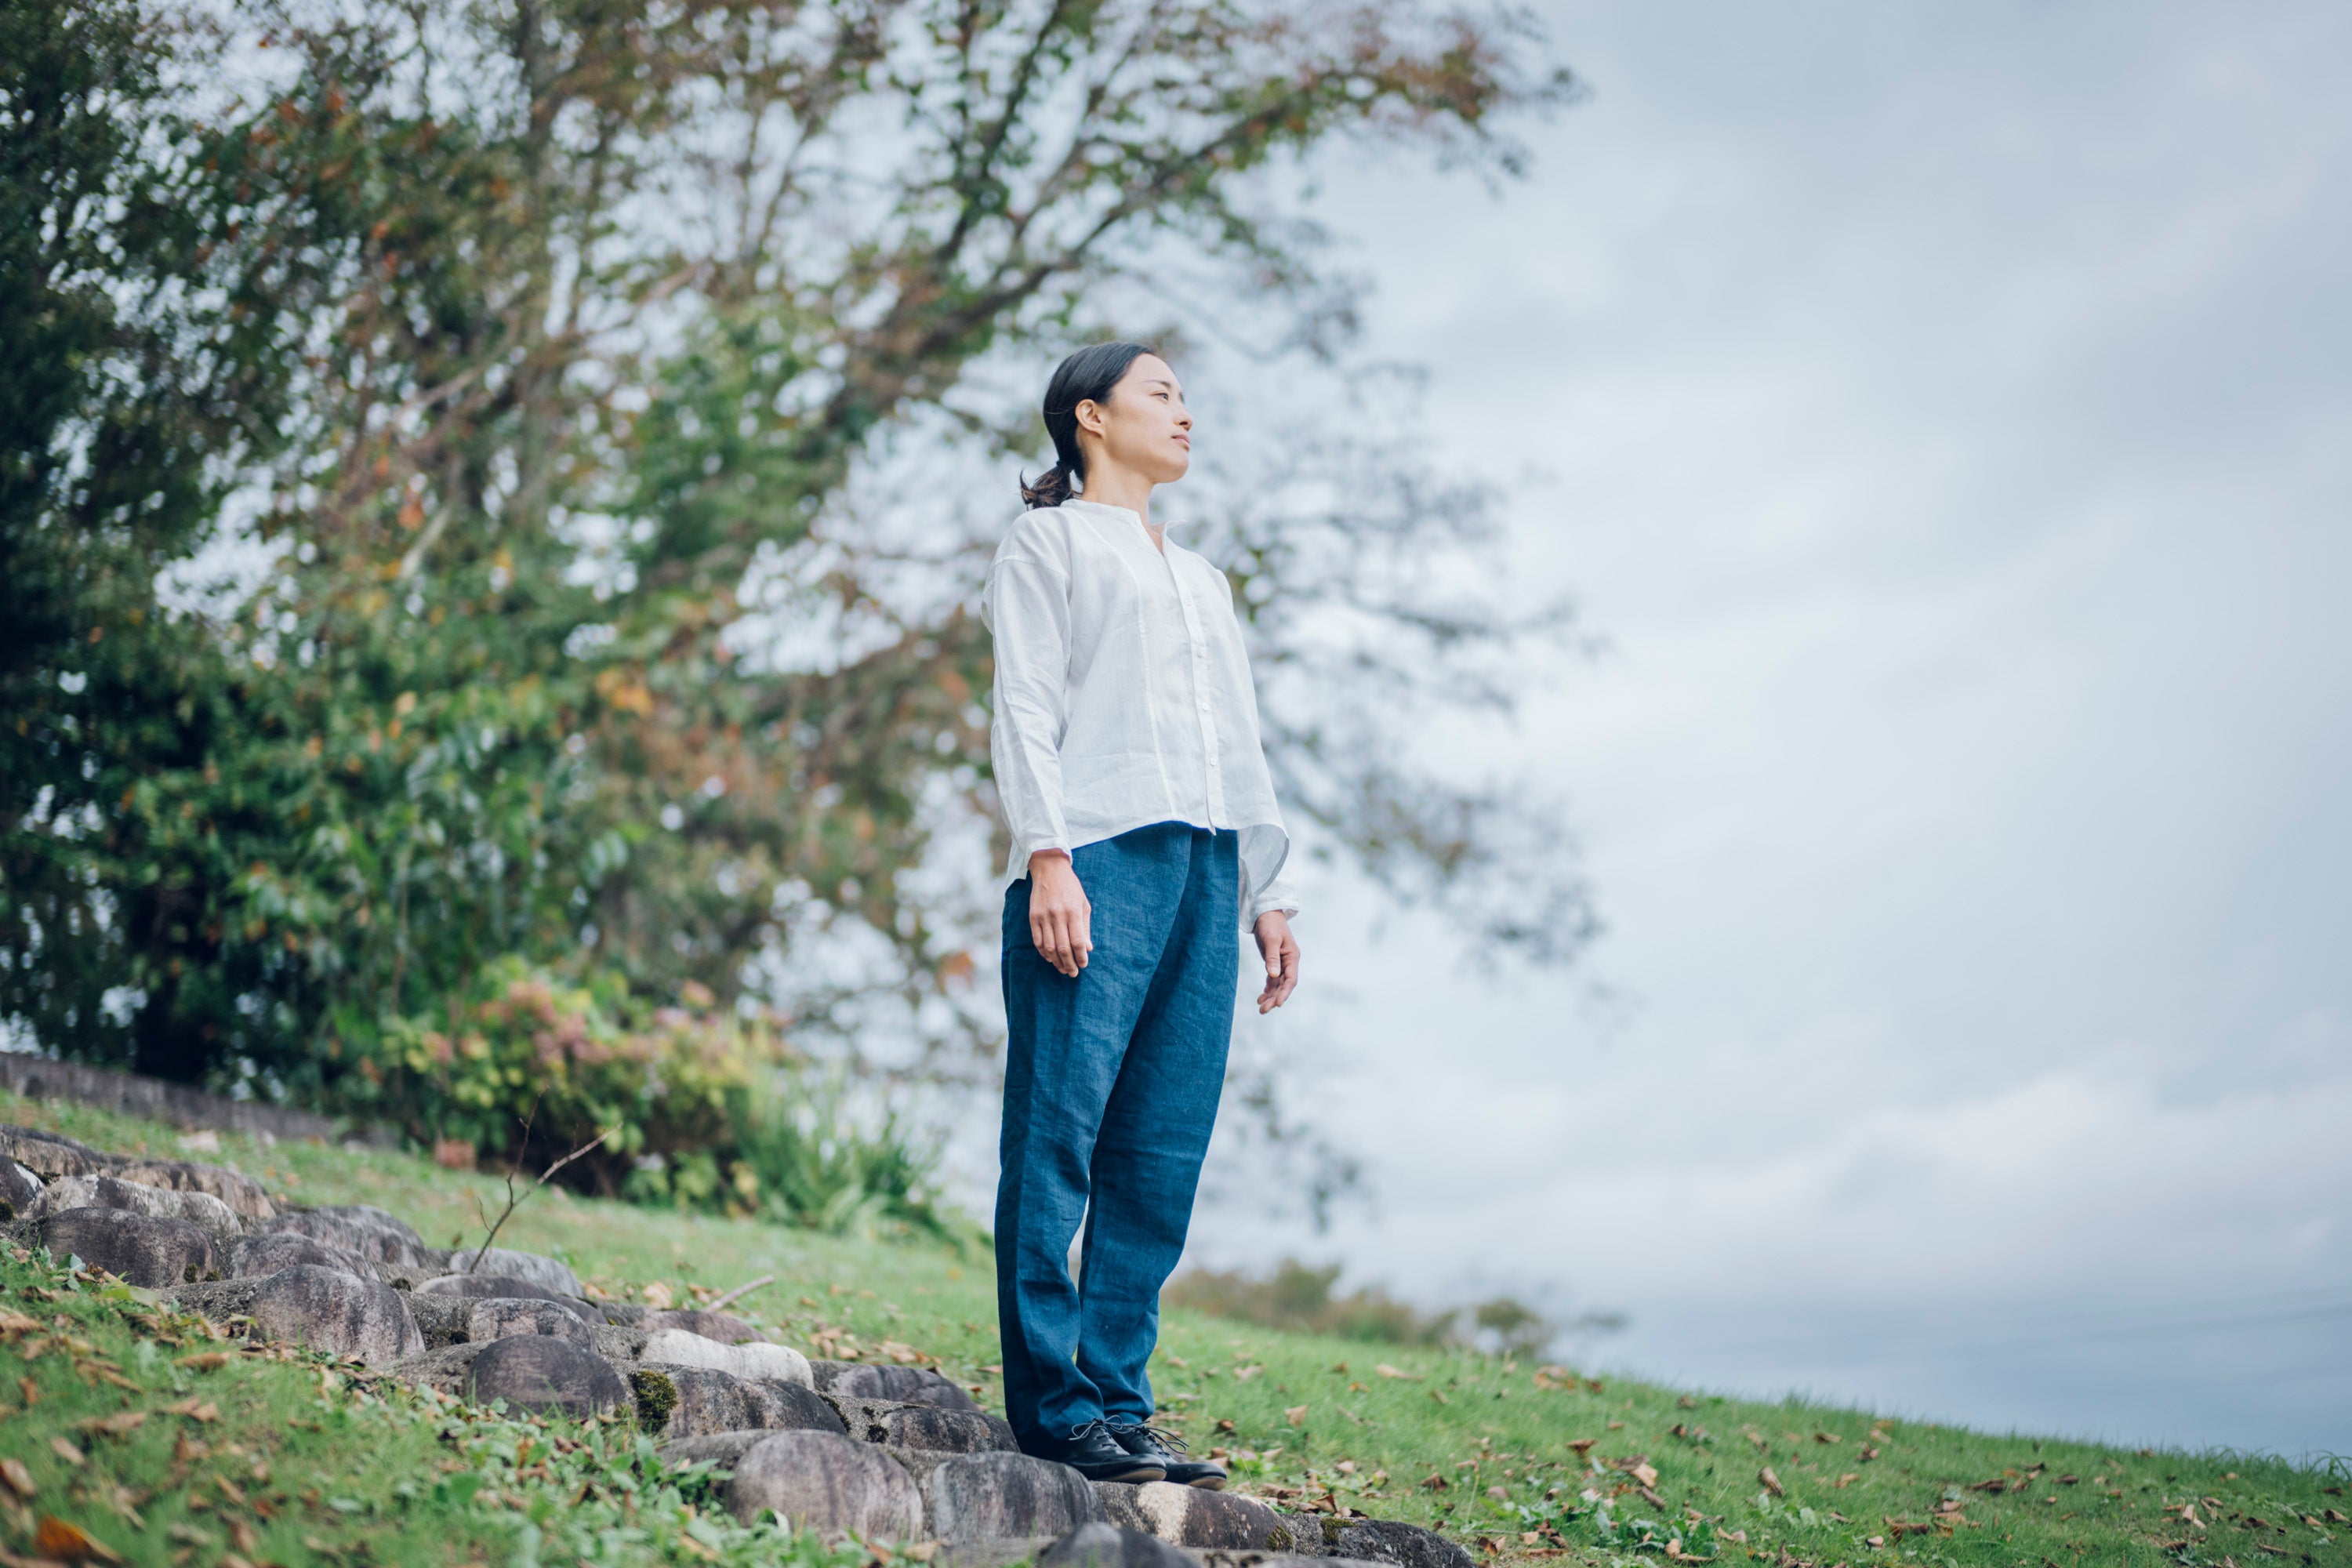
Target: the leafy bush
(1297, 1297)
(696, 1106)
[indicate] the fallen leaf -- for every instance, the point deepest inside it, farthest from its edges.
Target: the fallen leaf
(204, 1361)
(1439, 1396)
(17, 1323)
(1643, 1471)
(1616, 1426)
(1771, 1482)
(66, 1451)
(18, 1479)
(114, 1426)
(198, 1410)
(241, 1536)
(71, 1544)
(1653, 1498)
(1436, 1483)
(1582, 1445)
(1385, 1370)
(1296, 1414)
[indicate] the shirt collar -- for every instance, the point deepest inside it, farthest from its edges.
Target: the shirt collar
(1114, 511)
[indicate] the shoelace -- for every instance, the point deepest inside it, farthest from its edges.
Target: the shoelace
(1166, 1440)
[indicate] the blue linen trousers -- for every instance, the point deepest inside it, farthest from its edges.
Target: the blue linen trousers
(1111, 1084)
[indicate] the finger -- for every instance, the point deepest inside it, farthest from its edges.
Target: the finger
(1082, 941)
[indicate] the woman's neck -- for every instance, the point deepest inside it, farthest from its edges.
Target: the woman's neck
(1108, 484)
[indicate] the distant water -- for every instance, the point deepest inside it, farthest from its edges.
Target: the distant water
(2258, 1373)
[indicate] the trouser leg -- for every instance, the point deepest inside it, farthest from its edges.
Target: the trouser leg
(1066, 1040)
(1155, 1132)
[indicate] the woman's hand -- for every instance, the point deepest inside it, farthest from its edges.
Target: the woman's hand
(1280, 950)
(1060, 918)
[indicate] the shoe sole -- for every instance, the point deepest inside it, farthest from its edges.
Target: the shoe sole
(1209, 1483)
(1141, 1473)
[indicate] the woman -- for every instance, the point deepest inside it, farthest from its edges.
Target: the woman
(1144, 832)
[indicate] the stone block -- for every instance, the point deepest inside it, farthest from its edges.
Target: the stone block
(1395, 1542)
(1192, 1516)
(362, 1229)
(698, 1401)
(203, 1210)
(677, 1347)
(826, 1482)
(727, 1329)
(499, 1316)
(20, 1189)
(902, 1384)
(925, 1426)
(328, 1309)
(1112, 1546)
(135, 1247)
(535, 1372)
(502, 1286)
(254, 1256)
(243, 1195)
(975, 1496)
(49, 1155)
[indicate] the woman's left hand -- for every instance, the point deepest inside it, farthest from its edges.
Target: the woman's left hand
(1280, 950)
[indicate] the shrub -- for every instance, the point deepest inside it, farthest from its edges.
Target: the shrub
(1297, 1297)
(701, 1108)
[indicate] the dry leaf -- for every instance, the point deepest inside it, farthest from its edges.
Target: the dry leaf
(1385, 1370)
(1644, 1472)
(1296, 1414)
(658, 1296)
(66, 1451)
(1439, 1396)
(241, 1536)
(194, 1409)
(1771, 1482)
(204, 1361)
(71, 1544)
(1582, 1445)
(18, 1479)
(114, 1426)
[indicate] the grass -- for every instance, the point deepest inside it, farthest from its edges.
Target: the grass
(1517, 1463)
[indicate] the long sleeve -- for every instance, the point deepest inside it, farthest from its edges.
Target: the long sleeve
(1027, 608)
(1277, 894)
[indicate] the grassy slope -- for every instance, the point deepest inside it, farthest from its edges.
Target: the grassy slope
(1312, 1404)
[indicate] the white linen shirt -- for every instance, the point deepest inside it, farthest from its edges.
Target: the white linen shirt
(1123, 696)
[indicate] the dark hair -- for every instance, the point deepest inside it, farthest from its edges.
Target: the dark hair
(1086, 375)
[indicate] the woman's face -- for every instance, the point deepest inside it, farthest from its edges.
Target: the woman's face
(1143, 427)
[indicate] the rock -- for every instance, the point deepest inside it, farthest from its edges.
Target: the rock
(202, 1210)
(973, 1497)
(618, 1345)
(624, 1314)
(446, 1321)
(536, 1373)
(1111, 1546)
(500, 1316)
(1305, 1531)
(328, 1309)
(135, 1247)
(1189, 1516)
(719, 1326)
(1393, 1541)
(1217, 1558)
(1003, 1552)
(675, 1347)
(363, 1229)
(905, 1385)
(720, 1450)
(501, 1286)
(700, 1401)
(826, 1482)
(925, 1426)
(241, 1193)
(256, 1255)
(543, 1271)
(19, 1190)
(49, 1155)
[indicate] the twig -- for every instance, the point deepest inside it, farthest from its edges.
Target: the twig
(739, 1292)
(514, 1198)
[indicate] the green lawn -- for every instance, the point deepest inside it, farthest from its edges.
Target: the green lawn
(1501, 1456)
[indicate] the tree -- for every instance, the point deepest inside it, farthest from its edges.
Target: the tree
(586, 317)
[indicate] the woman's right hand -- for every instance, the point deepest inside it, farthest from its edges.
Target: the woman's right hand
(1060, 919)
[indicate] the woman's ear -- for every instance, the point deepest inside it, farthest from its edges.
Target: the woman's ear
(1090, 416)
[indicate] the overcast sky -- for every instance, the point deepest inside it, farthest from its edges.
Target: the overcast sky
(1944, 413)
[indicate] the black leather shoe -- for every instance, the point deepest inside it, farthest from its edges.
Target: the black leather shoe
(1095, 1454)
(1167, 1451)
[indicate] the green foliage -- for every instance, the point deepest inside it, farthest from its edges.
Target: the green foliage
(1298, 1298)
(1463, 1418)
(537, 348)
(297, 1460)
